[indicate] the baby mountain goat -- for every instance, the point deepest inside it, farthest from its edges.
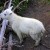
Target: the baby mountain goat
(28, 26)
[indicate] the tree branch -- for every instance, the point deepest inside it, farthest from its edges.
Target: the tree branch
(19, 4)
(10, 42)
(4, 23)
(9, 3)
(5, 4)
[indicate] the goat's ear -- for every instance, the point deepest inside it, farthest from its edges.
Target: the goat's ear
(10, 14)
(11, 7)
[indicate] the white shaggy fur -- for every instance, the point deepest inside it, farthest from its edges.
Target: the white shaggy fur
(28, 26)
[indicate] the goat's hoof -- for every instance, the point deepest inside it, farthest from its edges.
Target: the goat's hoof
(36, 44)
(21, 41)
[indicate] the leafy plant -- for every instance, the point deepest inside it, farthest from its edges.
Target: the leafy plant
(15, 2)
(22, 6)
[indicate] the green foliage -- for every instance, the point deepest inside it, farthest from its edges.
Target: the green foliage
(15, 2)
(48, 1)
(1, 6)
(22, 7)
(44, 1)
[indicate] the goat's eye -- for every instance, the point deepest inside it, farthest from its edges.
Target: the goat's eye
(5, 14)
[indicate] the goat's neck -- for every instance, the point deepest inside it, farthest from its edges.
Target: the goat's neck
(14, 18)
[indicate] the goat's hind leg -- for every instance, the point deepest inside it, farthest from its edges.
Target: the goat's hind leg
(37, 42)
(36, 38)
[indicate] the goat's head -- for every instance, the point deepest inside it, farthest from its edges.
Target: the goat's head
(6, 13)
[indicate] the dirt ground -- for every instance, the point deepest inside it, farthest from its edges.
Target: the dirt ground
(41, 13)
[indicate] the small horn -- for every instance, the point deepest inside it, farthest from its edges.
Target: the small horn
(11, 7)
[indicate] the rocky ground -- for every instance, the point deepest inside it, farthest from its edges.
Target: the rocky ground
(41, 13)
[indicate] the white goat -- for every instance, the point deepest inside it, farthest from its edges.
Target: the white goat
(28, 26)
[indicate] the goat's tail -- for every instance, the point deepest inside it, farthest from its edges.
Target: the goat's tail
(43, 30)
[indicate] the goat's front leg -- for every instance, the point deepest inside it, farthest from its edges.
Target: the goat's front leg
(18, 33)
(20, 36)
